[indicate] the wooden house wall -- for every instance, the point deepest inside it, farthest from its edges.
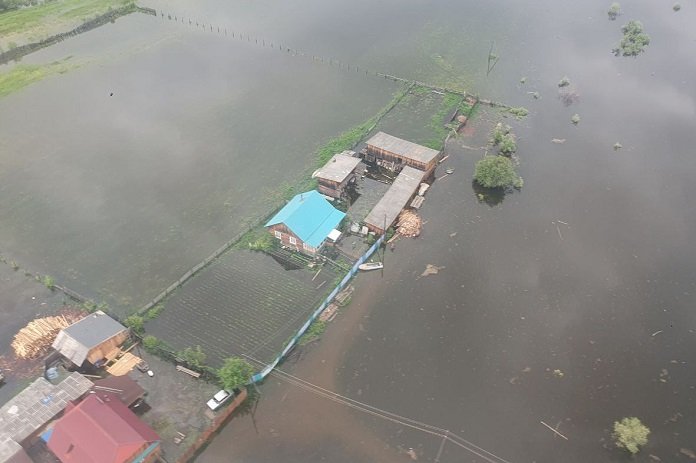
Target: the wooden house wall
(380, 153)
(286, 233)
(105, 348)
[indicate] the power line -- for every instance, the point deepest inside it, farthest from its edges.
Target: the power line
(445, 434)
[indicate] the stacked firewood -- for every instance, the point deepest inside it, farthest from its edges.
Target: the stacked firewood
(35, 339)
(409, 224)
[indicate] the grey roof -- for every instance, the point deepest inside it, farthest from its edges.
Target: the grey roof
(338, 168)
(396, 198)
(403, 148)
(35, 406)
(78, 339)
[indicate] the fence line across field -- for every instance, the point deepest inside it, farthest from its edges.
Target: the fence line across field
(263, 42)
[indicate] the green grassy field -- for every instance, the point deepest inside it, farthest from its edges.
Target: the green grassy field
(53, 17)
(26, 74)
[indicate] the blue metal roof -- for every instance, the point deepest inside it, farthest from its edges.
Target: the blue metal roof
(310, 216)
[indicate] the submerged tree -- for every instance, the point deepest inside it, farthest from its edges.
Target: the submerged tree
(614, 11)
(634, 40)
(235, 372)
(630, 434)
(496, 172)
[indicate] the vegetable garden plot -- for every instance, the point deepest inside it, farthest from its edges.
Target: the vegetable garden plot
(244, 304)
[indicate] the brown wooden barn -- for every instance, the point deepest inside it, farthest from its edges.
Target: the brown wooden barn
(92, 339)
(385, 212)
(337, 174)
(394, 153)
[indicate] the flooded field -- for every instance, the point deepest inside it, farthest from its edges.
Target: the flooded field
(121, 194)
(569, 302)
(245, 303)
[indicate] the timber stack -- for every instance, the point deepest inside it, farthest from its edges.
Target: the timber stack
(35, 339)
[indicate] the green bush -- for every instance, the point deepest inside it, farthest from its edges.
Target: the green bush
(153, 312)
(496, 172)
(48, 281)
(634, 39)
(194, 357)
(135, 323)
(630, 434)
(151, 344)
(614, 10)
(315, 330)
(235, 372)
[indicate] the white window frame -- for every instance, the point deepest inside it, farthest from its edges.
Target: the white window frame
(292, 240)
(278, 234)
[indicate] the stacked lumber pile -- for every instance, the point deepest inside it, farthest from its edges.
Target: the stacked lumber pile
(409, 224)
(35, 339)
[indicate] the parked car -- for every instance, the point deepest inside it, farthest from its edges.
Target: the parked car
(219, 398)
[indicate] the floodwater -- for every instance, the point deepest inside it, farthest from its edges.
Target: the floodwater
(589, 270)
(116, 196)
(571, 302)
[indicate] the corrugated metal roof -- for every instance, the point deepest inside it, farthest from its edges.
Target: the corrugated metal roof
(309, 216)
(100, 429)
(338, 168)
(35, 406)
(75, 341)
(395, 199)
(403, 148)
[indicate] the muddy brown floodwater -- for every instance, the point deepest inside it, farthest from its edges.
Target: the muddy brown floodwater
(570, 302)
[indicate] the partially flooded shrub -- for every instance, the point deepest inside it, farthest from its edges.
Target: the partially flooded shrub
(614, 11)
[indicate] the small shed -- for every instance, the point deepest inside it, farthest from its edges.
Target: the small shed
(124, 387)
(396, 152)
(337, 174)
(92, 339)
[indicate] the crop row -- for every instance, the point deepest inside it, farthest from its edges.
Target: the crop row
(246, 303)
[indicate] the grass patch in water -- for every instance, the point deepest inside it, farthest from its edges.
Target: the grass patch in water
(54, 14)
(351, 137)
(26, 74)
(437, 121)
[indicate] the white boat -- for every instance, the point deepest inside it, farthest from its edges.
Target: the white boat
(371, 266)
(449, 171)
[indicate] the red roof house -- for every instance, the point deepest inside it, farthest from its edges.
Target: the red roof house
(102, 429)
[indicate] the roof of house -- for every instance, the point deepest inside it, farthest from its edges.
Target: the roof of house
(309, 216)
(395, 199)
(75, 341)
(338, 168)
(35, 406)
(125, 387)
(100, 429)
(402, 148)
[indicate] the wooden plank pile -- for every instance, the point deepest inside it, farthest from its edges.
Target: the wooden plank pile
(409, 224)
(35, 339)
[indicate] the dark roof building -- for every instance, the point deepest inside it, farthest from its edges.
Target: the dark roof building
(385, 147)
(385, 212)
(26, 414)
(91, 339)
(101, 429)
(337, 174)
(125, 387)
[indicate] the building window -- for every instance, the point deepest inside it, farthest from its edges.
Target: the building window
(293, 240)
(278, 235)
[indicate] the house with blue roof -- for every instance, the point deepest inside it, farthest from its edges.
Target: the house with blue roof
(306, 222)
